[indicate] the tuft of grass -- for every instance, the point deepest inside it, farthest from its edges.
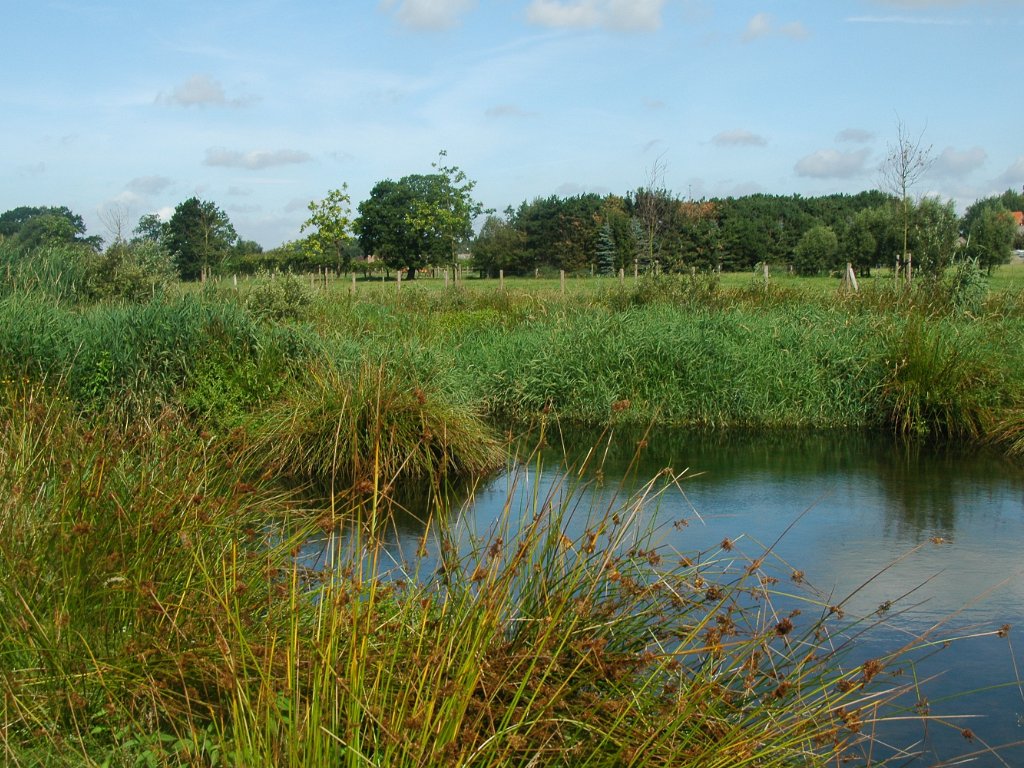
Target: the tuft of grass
(938, 382)
(337, 430)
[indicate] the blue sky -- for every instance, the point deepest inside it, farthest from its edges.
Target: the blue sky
(264, 105)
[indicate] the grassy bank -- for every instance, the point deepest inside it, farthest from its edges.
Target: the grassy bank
(163, 457)
(936, 360)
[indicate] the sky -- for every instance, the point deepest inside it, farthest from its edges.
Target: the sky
(121, 108)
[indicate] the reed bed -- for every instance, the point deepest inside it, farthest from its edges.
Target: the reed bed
(154, 614)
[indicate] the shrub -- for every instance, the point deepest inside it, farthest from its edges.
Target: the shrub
(278, 296)
(134, 272)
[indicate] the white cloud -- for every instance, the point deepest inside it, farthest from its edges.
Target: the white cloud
(855, 135)
(956, 163)
(832, 164)
(254, 161)
(763, 25)
(738, 138)
(626, 15)
(428, 14)
(201, 91)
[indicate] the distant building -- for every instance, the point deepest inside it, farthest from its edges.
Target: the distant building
(1019, 218)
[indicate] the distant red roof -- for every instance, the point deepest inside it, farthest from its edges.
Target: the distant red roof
(1019, 216)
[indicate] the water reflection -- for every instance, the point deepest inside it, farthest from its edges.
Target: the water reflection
(861, 517)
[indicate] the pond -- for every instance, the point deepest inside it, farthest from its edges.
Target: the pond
(932, 539)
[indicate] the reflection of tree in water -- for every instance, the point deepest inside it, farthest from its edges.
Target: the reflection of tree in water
(929, 489)
(718, 457)
(924, 489)
(401, 521)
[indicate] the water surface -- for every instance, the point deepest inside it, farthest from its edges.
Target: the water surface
(938, 533)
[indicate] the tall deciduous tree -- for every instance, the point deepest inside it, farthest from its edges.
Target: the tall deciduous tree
(499, 246)
(150, 228)
(418, 220)
(907, 160)
(199, 235)
(34, 226)
(331, 222)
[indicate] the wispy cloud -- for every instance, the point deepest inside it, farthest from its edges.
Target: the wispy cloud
(764, 25)
(201, 91)
(148, 185)
(855, 135)
(954, 163)
(623, 15)
(1014, 175)
(254, 161)
(428, 14)
(937, 21)
(738, 138)
(33, 169)
(832, 164)
(508, 110)
(931, 3)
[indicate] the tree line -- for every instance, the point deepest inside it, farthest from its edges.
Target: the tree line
(426, 220)
(653, 229)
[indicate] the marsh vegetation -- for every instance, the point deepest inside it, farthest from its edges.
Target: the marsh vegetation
(165, 452)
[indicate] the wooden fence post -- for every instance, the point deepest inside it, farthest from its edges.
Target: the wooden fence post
(561, 280)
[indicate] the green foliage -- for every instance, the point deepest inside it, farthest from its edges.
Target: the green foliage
(45, 226)
(121, 581)
(606, 255)
(135, 272)
(933, 237)
(816, 251)
(58, 272)
(331, 220)
(938, 382)
(278, 296)
(990, 230)
(419, 220)
(199, 235)
(150, 228)
(967, 286)
(499, 246)
(139, 357)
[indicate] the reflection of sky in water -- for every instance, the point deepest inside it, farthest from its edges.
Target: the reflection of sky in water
(868, 514)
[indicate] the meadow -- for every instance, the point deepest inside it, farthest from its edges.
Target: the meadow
(161, 459)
